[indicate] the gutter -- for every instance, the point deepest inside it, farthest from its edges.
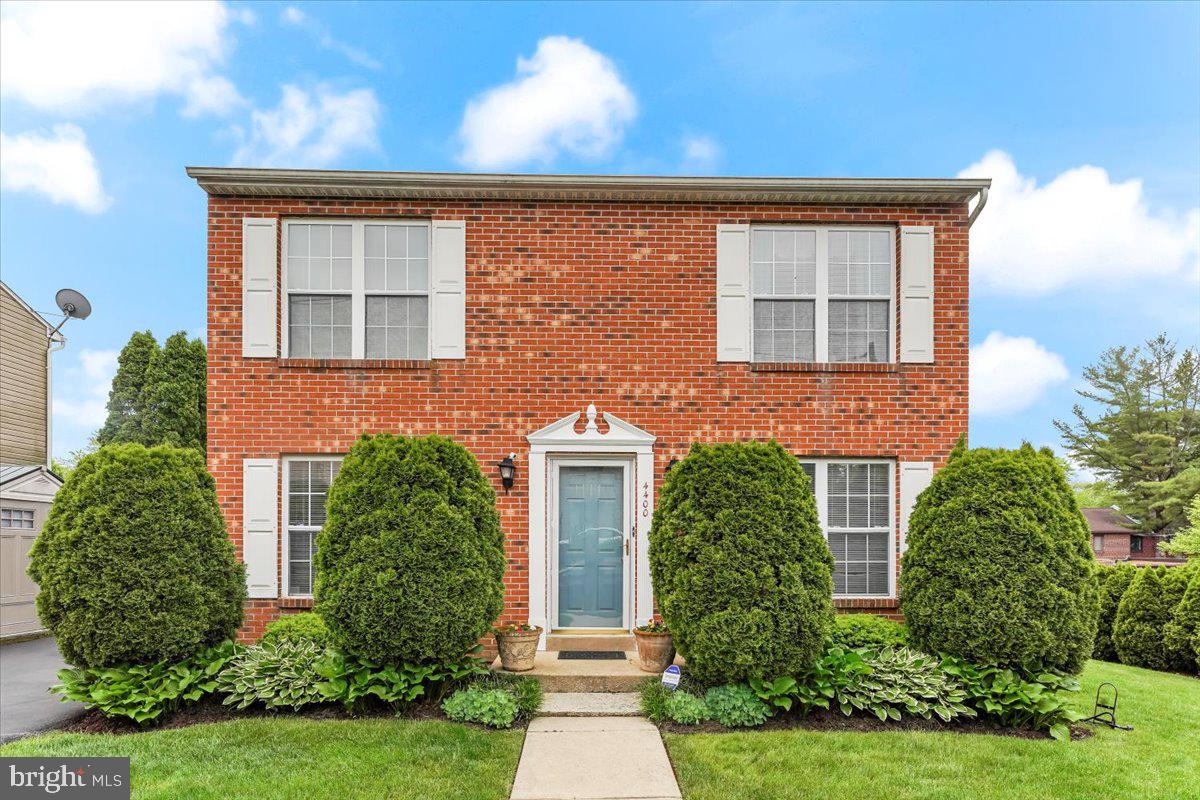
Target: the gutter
(983, 193)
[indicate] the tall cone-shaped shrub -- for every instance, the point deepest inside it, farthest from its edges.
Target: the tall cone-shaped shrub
(741, 570)
(1115, 582)
(1182, 636)
(410, 563)
(133, 564)
(1142, 617)
(999, 568)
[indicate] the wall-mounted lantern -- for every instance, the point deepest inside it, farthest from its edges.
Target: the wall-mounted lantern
(670, 465)
(508, 471)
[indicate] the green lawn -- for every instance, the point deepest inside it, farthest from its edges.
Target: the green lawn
(1160, 758)
(292, 757)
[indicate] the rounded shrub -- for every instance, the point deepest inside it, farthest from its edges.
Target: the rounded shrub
(866, 631)
(1114, 582)
(303, 627)
(133, 563)
(740, 567)
(999, 568)
(410, 562)
(1142, 617)
(1182, 635)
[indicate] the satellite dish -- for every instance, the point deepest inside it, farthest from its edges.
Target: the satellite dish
(73, 304)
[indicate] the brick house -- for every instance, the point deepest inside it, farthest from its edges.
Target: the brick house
(592, 328)
(1115, 538)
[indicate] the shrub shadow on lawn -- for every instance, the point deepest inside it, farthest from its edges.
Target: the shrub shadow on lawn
(836, 722)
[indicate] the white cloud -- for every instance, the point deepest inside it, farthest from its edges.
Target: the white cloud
(69, 57)
(566, 98)
(1010, 374)
(298, 19)
(214, 94)
(1081, 227)
(81, 391)
(311, 129)
(700, 153)
(58, 166)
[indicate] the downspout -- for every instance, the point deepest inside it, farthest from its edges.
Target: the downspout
(56, 342)
(983, 193)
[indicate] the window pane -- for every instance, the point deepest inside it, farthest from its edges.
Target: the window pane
(859, 263)
(858, 330)
(397, 327)
(784, 262)
(859, 498)
(784, 330)
(318, 326)
(810, 469)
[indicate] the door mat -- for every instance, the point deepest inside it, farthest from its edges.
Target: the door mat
(591, 655)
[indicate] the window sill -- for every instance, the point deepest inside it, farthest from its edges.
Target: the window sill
(819, 366)
(866, 602)
(354, 363)
(295, 602)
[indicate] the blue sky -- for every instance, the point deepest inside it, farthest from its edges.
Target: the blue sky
(1087, 116)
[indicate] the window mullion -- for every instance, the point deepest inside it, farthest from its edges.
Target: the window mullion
(821, 310)
(358, 302)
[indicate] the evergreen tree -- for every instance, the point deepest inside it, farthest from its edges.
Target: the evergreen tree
(124, 420)
(1187, 542)
(1142, 618)
(1116, 581)
(1145, 439)
(1182, 634)
(174, 396)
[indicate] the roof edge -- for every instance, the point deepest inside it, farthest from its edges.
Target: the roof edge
(238, 181)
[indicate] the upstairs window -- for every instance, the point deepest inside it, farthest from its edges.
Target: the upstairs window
(823, 294)
(357, 289)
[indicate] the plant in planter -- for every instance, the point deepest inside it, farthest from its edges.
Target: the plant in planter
(518, 645)
(656, 650)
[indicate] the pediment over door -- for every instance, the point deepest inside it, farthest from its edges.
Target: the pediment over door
(563, 431)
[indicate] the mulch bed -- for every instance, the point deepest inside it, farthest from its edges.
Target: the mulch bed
(836, 722)
(211, 710)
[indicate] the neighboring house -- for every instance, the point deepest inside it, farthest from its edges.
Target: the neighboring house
(27, 486)
(594, 328)
(1114, 539)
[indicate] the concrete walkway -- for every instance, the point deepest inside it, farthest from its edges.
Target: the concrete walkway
(27, 670)
(594, 758)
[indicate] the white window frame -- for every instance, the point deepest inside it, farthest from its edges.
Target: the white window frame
(822, 298)
(821, 489)
(286, 527)
(21, 515)
(358, 281)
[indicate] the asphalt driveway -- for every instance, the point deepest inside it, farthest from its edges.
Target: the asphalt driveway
(27, 670)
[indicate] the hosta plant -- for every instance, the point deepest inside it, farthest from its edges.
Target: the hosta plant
(1030, 698)
(351, 680)
(280, 674)
(736, 706)
(686, 708)
(144, 692)
(495, 708)
(526, 690)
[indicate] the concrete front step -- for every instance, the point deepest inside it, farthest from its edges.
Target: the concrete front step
(591, 704)
(590, 641)
(557, 675)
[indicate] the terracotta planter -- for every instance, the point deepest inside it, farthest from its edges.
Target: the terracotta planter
(656, 651)
(517, 649)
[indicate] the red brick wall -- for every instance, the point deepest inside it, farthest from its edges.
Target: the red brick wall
(567, 304)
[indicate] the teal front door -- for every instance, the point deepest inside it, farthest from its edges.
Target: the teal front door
(591, 547)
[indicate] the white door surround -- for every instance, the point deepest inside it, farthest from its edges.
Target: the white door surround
(559, 443)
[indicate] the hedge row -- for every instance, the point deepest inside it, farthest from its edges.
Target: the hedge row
(1150, 617)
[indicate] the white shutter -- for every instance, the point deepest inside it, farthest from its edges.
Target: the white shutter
(258, 288)
(448, 290)
(260, 525)
(733, 293)
(915, 477)
(916, 293)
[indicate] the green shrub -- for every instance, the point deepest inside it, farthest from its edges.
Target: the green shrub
(495, 708)
(411, 559)
(999, 567)
(867, 631)
(144, 692)
(1114, 582)
(1041, 701)
(1182, 635)
(740, 567)
(524, 688)
(686, 708)
(1140, 628)
(354, 681)
(281, 674)
(133, 562)
(654, 699)
(303, 627)
(735, 706)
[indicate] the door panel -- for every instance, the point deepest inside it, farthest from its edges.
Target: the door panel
(591, 547)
